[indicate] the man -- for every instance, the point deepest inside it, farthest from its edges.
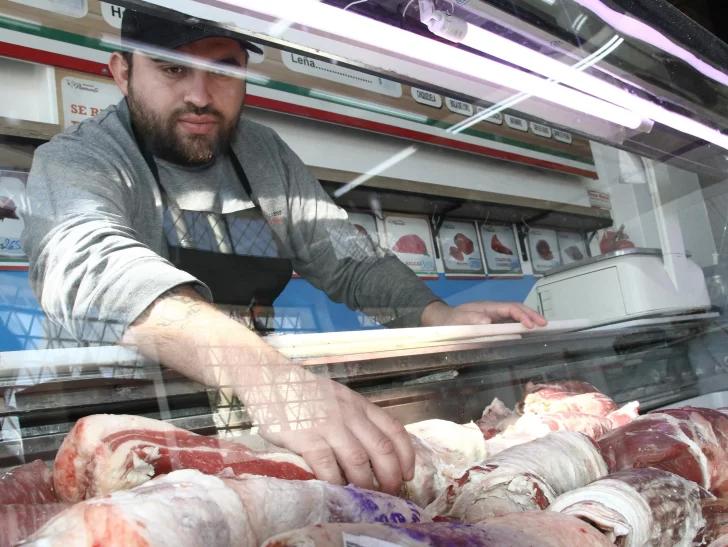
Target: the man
(134, 222)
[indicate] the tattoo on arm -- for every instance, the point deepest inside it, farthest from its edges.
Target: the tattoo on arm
(174, 308)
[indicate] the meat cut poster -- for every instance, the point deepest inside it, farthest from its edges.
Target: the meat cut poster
(410, 238)
(501, 251)
(573, 248)
(12, 198)
(366, 225)
(460, 250)
(544, 247)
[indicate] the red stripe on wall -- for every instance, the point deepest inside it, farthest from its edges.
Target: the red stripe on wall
(53, 59)
(308, 112)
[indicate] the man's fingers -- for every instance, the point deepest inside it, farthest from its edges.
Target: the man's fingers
(319, 455)
(396, 432)
(534, 317)
(353, 458)
(382, 454)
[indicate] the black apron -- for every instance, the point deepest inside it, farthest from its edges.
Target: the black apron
(252, 282)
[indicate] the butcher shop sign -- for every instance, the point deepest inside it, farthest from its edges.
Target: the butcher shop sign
(460, 250)
(501, 251)
(410, 239)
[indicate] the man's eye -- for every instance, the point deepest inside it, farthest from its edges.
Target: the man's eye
(174, 70)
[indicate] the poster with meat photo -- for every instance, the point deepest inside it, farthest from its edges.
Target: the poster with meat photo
(410, 238)
(573, 248)
(366, 224)
(12, 198)
(501, 251)
(460, 251)
(544, 247)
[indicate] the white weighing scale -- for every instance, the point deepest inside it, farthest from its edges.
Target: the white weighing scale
(628, 284)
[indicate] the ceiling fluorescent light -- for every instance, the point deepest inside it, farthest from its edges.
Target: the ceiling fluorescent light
(477, 38)
(349, 27)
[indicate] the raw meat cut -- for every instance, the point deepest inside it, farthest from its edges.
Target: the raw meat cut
(442, 450)
(655, 440)
(622, 416)
(464, 243)
(715, 513)
(709, 429)
(457, 254)
(106, 453)
(560, 406)
(361, 229)
(27, 484)
(544, 250)
(690, 442)
(275, 506)
(566, 397)
(18, 522)
(411, 244)
(497, 417)
(498, 247)
(574, 253)
(515, 530)
(526, 477)
(182, 509)
(639, 507)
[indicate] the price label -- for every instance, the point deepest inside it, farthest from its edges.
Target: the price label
(541, 130)
(429, 98)
(496, 118)
(516, 123)
(562, 136)
(459, 107)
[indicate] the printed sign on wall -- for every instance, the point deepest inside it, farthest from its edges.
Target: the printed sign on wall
(83, 99)
(71, 8)
(460, 251)
(572, 246)
(410, 238)
(300, 85)
(12, 199)
(366, 224)
(544, 247)
(501, 251)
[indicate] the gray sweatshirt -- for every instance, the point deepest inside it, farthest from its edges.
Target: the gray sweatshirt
(94, 231)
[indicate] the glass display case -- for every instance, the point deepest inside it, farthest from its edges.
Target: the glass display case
(260, 221)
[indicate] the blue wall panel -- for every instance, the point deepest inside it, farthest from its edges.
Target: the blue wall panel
(21, 317)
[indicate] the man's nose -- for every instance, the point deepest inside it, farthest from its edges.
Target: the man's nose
(198, 91)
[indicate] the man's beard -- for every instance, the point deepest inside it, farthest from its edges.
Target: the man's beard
(166, 141)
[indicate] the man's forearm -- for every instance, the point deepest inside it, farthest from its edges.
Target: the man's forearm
(184, 332)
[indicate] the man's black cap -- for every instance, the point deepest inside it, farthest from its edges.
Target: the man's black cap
(138, 27)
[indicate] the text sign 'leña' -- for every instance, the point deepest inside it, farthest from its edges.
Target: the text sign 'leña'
(335, 73)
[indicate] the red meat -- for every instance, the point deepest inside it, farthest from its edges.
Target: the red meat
(27, 485)
(410, 244)
(457, 254)
(361, 229)
(465, 244)
(106, 453)
(574, 253)
(498, 247)
(544, 250)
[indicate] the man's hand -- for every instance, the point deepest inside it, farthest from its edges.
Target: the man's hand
(340, 434)
(439, 314)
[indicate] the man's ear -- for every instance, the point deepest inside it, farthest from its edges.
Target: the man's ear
(120, 71)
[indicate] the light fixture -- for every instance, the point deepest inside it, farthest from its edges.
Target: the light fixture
(457, 30)
(351, 27)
